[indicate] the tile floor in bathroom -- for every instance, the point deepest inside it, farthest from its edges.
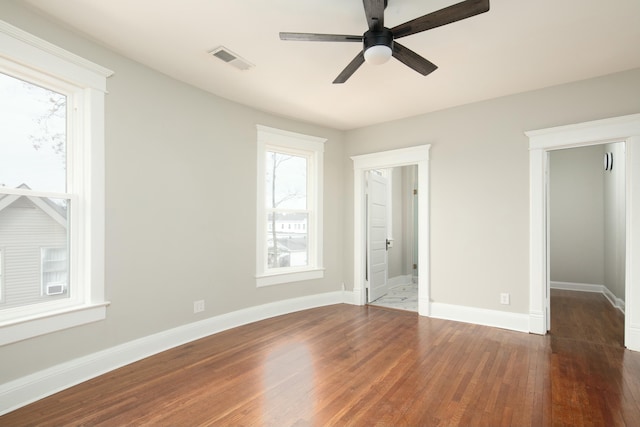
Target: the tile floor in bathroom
(401, 297)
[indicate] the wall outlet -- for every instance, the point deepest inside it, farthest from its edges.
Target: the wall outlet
(198, 306)
(504, 299)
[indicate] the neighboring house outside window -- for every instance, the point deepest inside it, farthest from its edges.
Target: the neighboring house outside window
(51, 187)
(289, 221)
(54, 268)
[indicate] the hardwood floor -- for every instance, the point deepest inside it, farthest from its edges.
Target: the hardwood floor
(361, 366)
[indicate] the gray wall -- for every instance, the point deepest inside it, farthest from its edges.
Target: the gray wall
(180, 207)
(587, 217)
(576, 215)
(479, 182)
(399, 256)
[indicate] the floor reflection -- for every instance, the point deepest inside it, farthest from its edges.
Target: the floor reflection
(289, 385)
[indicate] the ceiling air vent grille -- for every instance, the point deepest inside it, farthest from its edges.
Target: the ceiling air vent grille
(231, 58)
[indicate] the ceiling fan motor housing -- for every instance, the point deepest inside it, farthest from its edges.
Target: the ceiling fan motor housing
(377, 46)
(382, 37)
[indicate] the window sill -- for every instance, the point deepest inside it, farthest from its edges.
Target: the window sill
(288, 277)
(32, 326)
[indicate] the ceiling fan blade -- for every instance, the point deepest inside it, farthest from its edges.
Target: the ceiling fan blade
(412, 59)
(453, 13)
(374, 9)
(309, 37)
(351, 68)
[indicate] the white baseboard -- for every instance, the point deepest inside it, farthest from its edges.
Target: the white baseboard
(537, 323)
(33, 387)
(586, 287)
(351, 297)
(424, 307)
(499, 319)
(632, 337)
(571, 286)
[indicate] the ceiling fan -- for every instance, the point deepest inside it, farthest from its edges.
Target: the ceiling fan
(379, 41)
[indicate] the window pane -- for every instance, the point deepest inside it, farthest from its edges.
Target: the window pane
(286, 181)
(287, 240)
(32, 136)
(33, 236)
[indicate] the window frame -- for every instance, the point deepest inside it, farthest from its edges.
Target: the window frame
(271, 139)
(37, 61)
(1, 275)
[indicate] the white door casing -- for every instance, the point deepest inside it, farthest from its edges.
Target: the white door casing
(377, 269)
(419, 156)
(626, 129)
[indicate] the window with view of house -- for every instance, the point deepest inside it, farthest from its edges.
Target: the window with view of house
(33, 157)
(51, 187)
(289, 224)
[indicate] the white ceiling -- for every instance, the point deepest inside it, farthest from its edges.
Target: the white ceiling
(518, 45)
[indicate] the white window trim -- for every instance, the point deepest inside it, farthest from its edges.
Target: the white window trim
(25, 55)
(270, 137)
(1, 274)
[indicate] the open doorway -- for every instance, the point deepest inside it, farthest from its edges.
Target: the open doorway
(541, 143)
(418, 156)
(398, 248)
(586, 226)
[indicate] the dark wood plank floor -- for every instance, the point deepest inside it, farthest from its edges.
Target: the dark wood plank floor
(362, 366)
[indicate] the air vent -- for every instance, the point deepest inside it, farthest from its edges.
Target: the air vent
(231, 58)
(56, 288)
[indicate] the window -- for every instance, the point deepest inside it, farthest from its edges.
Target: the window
(289, 222)
(51, 187)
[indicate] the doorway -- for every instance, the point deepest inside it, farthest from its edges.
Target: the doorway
(398, 245)
(541, 142)
(418, 156)
(586, 227)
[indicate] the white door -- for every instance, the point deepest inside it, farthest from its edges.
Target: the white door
(377, 236)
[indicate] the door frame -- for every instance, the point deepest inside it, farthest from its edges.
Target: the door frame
(618, 129)
(419, 156)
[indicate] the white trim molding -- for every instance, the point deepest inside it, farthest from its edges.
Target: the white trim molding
(480, 316)
(33, 387)
(419, 156)
(25, 48)
(588, 287)
(618, 129)
(580, 287)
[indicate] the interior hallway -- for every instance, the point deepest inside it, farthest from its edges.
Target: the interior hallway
(587, 317)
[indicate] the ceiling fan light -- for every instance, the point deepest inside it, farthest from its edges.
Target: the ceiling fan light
(378, 54)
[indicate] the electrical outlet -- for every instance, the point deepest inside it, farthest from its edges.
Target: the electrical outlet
(504, 299)
(198, 306)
